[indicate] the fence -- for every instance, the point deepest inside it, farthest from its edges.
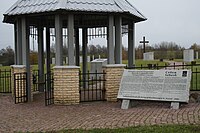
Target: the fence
(195, 68)
(49, 89)
(5, 81)
(35, 76)
(92, 86)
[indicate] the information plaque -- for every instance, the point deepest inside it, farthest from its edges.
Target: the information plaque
(158, 85)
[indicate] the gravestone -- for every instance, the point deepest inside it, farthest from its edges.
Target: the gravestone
(156, 85)
(148, 56)
(92, 57)
(53, 61)
(88, 59)
(67, 60)
(188, 55)
(97, 65)
(81, 59)
(197, 55)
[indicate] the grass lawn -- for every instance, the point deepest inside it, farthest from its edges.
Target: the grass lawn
(142, 129)
(144, 63)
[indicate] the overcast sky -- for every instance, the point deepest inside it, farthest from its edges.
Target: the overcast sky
(168, 20)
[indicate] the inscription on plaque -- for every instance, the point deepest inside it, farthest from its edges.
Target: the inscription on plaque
(159, 85)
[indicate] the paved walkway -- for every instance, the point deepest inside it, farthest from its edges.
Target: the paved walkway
(37, 117)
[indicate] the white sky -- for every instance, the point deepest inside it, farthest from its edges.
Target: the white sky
(168, 20)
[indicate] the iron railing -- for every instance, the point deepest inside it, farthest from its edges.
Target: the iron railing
(49, 89)
(92, 86)
(35, 76)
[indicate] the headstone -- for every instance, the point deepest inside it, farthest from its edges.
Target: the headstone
(81, 59)
(45, 60)
(99, 56)
(188, 55)
(67, 60)
(197, 55)
(88, 59)
(97, 65)
(148, 56)
(53, 61)
(92, 57)
(156, 85)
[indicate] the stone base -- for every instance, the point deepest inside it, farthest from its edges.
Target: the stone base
(113, 78)
(16, 69)
(175, 105)
(66, 85)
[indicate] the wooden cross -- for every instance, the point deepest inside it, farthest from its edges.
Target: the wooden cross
(144, 42)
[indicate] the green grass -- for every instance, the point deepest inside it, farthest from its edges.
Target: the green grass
(144, 63)
(141, 129)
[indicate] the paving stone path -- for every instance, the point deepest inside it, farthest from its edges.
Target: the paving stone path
(37, 117)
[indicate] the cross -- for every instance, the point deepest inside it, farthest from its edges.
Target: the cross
(144, 42)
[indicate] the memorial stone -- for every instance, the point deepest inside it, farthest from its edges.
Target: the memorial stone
(157, 85)
(92, 57)
(53, 61)
(97, 65)
(66, 60)
(88, 59)
(148, 56)
(197, 55)
(81, 59)
(188, 55)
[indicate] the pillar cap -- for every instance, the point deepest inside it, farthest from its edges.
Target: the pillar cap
(114, 66)
(18, 66)
(66, 67)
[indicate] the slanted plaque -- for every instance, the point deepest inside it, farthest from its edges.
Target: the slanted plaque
(158, 85)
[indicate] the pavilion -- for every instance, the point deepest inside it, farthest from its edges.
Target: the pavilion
(71, 15)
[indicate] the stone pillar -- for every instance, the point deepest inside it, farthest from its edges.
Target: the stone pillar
(84, 49)
(48, 54)
(77, 47)
(20, 86)
(131, 45)
(18, 46)
(26, 55)
(15, 44)
(41, 59)
(16, 69)
(113, 78)
(118, 40)
(111, 40)
(66, 85)
(70, 33)
(59, 40)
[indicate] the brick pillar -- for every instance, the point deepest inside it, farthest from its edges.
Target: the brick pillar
(19, 69)
(66, 85)
(113, 78)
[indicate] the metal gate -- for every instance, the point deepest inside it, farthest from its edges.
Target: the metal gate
(20, 88)
(92, 86)
(49, 89)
